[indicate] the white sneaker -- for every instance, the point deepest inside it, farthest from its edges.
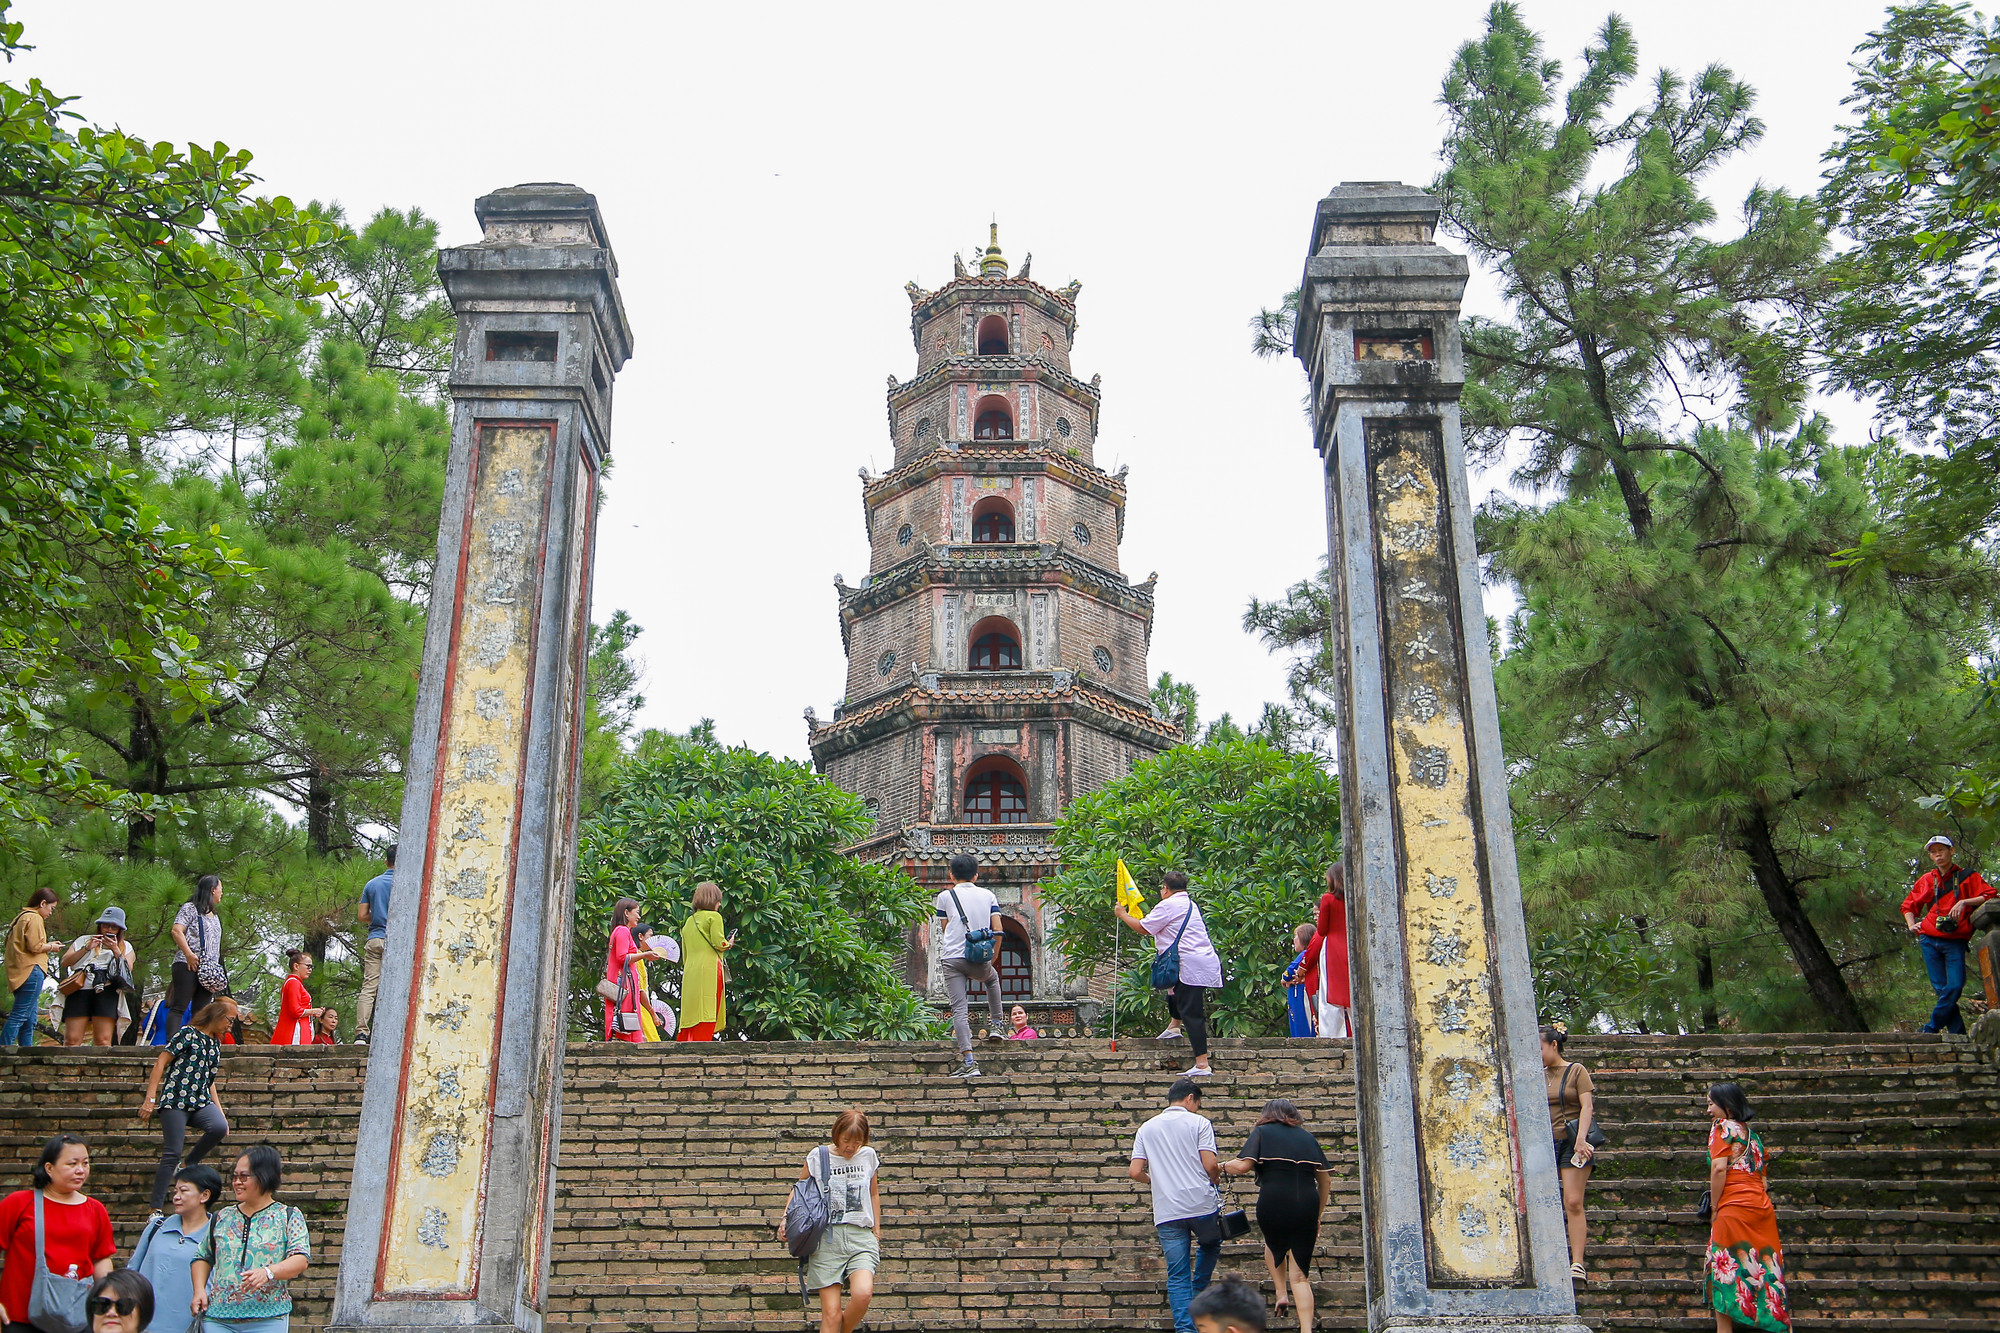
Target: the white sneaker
(1196, 1072)
(1171, 1034)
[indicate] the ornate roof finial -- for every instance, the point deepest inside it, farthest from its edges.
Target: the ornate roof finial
(993, 264)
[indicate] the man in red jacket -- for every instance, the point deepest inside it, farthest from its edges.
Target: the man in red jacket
(1944, 897)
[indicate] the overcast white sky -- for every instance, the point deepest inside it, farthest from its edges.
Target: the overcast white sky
(772, 174)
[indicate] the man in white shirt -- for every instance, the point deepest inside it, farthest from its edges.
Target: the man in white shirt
(961, 908)
(1178, 920)
(1174, 1152)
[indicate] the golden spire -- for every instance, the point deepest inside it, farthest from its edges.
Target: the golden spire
(992, 264)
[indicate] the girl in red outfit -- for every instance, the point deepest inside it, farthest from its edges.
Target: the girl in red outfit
(75, 1228)
(1327, 997)
(623, 946)
(296, 1015)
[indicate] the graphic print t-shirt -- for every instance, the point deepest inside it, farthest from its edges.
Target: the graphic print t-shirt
(847, 1199)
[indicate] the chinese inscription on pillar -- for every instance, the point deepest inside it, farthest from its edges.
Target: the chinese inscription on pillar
(434, 1216)
(1469, 1178)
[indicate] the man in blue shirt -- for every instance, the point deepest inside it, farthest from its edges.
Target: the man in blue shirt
(374, 913)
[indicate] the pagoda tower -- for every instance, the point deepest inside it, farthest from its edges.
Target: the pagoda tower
(996, 655)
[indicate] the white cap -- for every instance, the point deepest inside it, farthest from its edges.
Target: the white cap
(1937, 838)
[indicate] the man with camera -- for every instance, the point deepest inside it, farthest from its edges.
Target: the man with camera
(1945, 895)
(969, 919)
(1174, 1152)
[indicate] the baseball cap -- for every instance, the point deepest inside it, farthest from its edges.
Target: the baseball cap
(1937, 838)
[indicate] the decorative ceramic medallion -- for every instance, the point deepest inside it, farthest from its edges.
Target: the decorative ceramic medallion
(1103, 659)
(887, 663)
(1063, 427)
(1081, 533)
(905, 535)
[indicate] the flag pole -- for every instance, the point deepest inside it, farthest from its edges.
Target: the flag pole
(1117, 974)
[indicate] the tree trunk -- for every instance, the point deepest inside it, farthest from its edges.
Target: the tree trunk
(1704, 979)
(317, 936)
(319, 812)
(1823, 980)
(146, 774)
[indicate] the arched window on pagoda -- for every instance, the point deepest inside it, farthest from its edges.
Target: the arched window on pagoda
(993, 336)
(993, 520)
(997, 424)
(996, 794)
(995, 651)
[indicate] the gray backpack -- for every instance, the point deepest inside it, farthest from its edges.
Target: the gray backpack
(56, 1300)
(806, 1218)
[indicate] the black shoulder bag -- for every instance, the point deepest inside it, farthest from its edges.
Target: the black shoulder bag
(1595, 1138)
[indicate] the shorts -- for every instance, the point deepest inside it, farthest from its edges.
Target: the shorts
(843, 1251)
(91, 1004)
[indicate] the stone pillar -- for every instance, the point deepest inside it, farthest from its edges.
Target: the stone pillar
(1462, 1221)
(448, 1221)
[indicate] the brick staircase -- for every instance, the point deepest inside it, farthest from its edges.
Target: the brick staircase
(1007, 1202)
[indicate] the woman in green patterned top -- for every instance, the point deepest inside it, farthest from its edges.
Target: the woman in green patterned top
(255, 1246)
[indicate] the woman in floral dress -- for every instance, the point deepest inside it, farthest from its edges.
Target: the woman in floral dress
(1746, 1265)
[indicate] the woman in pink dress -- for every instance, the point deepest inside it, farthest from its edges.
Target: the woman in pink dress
(623, 946)
(296, 1016)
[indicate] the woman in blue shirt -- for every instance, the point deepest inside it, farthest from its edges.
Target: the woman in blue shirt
(170, 1244)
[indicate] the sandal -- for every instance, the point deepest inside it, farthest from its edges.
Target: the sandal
(1576, 1272)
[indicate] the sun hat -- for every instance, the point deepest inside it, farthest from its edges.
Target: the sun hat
(112, 915)
(1936, 838)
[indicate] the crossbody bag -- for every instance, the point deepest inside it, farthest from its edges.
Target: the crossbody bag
(1167, 963)
(56, 1301)
(1595, 1138)
(978, 943)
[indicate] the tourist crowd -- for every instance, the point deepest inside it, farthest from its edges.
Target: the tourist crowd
(221, 1268)
(95, 978)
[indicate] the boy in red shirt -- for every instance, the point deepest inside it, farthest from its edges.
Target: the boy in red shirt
(1945, 896)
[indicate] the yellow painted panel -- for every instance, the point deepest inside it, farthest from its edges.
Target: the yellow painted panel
(433, 1239)
(1470, 1203)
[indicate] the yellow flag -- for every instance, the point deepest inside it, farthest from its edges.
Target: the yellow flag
(1128, 892)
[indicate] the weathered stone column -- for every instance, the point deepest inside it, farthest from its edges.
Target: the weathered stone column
(448, 1221)
(1461, 1205)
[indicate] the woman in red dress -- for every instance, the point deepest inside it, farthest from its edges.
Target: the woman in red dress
(1327, 991)
(1746, 1265)
(296, 1015)
(623, 946)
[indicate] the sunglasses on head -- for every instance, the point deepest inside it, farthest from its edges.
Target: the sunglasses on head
(123, 1305)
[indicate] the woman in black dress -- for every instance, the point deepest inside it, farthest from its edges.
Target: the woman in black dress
(1293, 1181)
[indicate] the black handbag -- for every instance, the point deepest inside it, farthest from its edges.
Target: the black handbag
(1167, 963)
(1225, 1223)
(1705, 1209)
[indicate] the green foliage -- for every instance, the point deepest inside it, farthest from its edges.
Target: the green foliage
(1712, 732)
(1179, 702)
(110, 246)
(1300, 625)
(611, 701)
(1604, 971)
(821, 937)
(1914, 181)
(1254, 828)
(1620, 297)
